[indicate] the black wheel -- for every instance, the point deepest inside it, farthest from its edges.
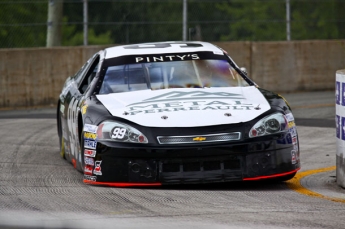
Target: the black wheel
(81, 163)
(59, 130)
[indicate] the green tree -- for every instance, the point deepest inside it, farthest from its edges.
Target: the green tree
(254, 20)
(265, 20)
(317, 21)
(73, 37)
(208, 19)
(22, 24)
(139, 21)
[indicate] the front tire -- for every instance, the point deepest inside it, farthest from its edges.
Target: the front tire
(59, 130)
(82, 162)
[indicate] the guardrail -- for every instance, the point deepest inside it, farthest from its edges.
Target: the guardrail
(340, 127)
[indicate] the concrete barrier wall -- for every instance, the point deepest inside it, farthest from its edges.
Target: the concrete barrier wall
(297, 66)
(34, 77)
(340, 126)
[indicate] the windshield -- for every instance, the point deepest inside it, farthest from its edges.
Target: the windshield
(176, 74)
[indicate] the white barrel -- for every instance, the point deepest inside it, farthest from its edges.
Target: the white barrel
(340, 126)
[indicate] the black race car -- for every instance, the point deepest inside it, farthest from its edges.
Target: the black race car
(173, 113)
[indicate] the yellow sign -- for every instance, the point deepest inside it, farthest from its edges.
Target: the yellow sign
(291, 124)
(83, 109)
(200, 139)
(89, 135)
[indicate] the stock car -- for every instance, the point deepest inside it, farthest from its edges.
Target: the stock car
(173, 113)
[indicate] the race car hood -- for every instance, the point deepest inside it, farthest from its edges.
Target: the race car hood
(187, 107)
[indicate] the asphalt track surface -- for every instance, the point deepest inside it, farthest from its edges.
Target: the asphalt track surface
(38, 189)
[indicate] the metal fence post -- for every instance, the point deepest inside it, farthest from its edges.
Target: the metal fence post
(55, 9)
(184, 27)
(85, 22)
(288, 20)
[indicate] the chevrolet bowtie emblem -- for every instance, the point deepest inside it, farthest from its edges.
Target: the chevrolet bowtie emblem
(200, 139)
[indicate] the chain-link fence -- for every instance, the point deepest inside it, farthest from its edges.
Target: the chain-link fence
(24, 23)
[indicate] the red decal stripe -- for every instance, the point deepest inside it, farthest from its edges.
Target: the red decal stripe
(74, 163)
(271, 176)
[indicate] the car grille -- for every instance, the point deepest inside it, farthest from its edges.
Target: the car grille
(201, 166)
(199, 138)
(201, 170)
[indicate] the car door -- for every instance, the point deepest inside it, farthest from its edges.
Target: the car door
(71, 100)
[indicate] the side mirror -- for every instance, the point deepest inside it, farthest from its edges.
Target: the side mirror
(243, 69)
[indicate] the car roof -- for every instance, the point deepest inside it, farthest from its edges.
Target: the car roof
(161, 48)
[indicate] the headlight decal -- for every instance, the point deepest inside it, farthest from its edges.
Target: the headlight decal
(271, 124)
(119, 132)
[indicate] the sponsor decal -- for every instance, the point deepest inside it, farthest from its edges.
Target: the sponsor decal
(97, 170)
(90, 178)
(88, 169)
(199, 139)
(164, 45)
(337, 93)
(293, 131)
(90, 144)
(89, 161)
(293, 157)
(294, 140)
(91, 136)
(89, 153)
(179, 95)
(187, 101)
(342, 93)
(90, 128)
(83, 109)
(337, 125)
(295, 147)
(289, 117)
(161, 58)
(291, 124)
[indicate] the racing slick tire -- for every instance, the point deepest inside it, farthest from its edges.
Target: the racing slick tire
(59, 130)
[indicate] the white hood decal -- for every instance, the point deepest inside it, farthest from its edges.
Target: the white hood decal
(187, 107)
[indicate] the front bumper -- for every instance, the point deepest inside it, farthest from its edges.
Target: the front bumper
(260, 159)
